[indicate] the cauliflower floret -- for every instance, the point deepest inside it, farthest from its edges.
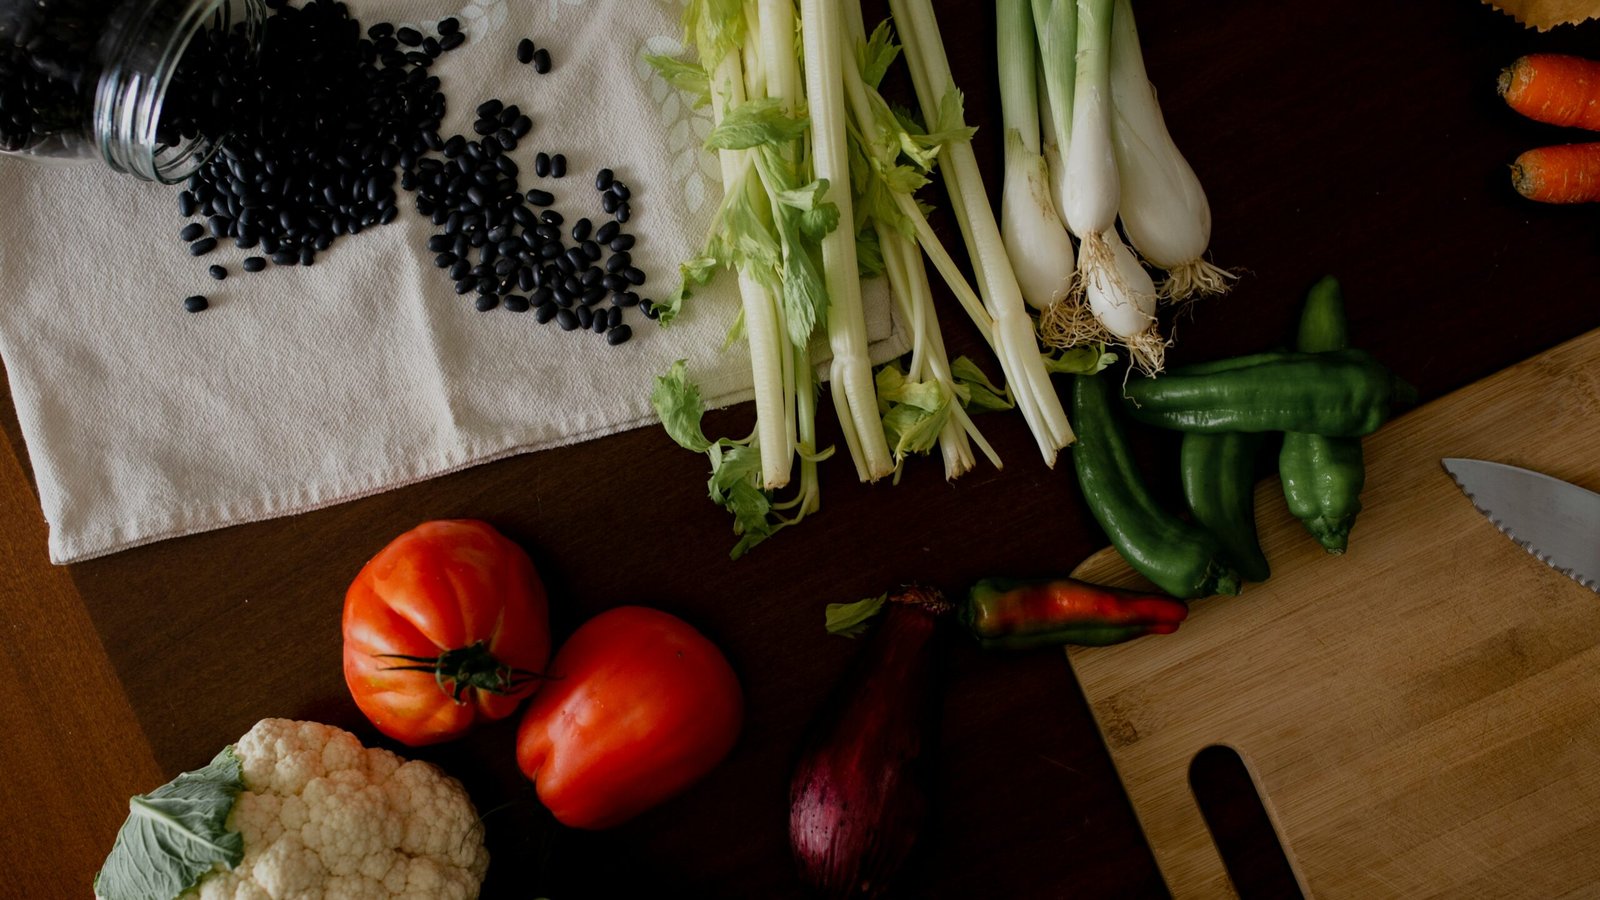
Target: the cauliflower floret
(324, 818)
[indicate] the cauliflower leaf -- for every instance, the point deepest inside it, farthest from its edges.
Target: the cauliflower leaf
(176, 834)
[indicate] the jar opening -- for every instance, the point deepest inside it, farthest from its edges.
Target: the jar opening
(142, 67)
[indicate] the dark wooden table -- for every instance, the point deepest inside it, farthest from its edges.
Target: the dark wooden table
(1363, 140)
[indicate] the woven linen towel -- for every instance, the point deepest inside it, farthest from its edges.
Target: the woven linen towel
(304, 387)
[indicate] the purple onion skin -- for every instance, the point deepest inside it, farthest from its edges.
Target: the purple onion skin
(860, 795)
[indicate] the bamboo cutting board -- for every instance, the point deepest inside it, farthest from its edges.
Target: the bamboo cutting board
(1422, 715)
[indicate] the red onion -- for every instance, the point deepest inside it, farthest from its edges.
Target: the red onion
(860, 794)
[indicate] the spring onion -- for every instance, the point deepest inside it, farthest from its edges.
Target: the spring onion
(1041, 252)
(1164, 208)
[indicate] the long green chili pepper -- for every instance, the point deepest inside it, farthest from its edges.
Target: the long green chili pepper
(1323, 476)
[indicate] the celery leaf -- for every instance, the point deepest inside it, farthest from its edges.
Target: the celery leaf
(678, 405)
(756, 123)
(853, 619)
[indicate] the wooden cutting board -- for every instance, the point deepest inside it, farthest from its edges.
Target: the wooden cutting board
(1422, 715)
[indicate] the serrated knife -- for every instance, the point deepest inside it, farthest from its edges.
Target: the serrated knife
(1558, 522)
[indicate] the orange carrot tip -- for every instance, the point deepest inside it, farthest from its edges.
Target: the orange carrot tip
(1554, 88)
(1567, 173)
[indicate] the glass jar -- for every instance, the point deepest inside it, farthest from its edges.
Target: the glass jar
(133, 83)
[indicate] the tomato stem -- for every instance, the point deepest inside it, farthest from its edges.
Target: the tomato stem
(467, 667)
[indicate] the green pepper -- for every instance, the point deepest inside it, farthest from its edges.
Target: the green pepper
(1323, 476)
(1180, 557)
(1219, 482)
(1014, 614)
(1342, 394)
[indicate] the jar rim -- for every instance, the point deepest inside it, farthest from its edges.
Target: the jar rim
(132, 93)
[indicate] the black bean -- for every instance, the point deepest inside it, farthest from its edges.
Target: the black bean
(459, 269)
(219, 225)
(634, 275)
(603, 179)
(525, 51)
(618, 262)
(609, 203)
(192, 232)
(585, 316)
(285, 257)
(581, 229)
(651, 311)
(451, 41)
(614, 317)
(505, 266)
(525, 278)
(619, 335)
(506, 139)
(606, 233)
(549, 251)
(622, 242)
(195, 304)
(522, 126)
(202, 246)
(621, 191)
(408, 36)
(593, 295)
(541, 61)
(551, 217)
(601, 322)
(466, 285)
(591, 277)
(488, 284)
(449, 26)
(380, 30)
(623, 214)
(567, 319)
(507, 166)
(562, 299)
(432, 47)
(544, 312)
(541, 164)
(540, 198)
(614, 283)
(218, 272)
(455, 147)
(307, 256)
(247, 240)
(591, 250)
(576, 257)
(486, 126)
(445, 260)
(558, 166)
(515, 303)
(541, 296)
(486, 302)
(254, 263)
(625, 299)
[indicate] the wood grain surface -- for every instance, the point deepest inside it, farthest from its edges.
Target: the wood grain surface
(1417, 714)
(1330, 139)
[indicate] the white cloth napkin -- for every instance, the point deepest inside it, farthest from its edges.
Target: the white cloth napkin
(304, 387)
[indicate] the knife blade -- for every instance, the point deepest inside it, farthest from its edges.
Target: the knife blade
(1557, 522)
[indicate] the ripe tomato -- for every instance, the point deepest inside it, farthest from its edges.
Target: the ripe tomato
(640, 706)
(445, 626)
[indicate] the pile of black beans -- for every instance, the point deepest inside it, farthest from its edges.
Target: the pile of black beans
(315, 130)
(318, 132)
(48, 68)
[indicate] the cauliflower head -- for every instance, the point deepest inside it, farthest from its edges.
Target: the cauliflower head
(324, 818)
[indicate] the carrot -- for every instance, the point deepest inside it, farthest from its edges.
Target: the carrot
(1554, 88)
(1568, 173)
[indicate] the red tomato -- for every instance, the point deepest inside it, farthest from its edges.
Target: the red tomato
(640, 706)
(445, 627)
